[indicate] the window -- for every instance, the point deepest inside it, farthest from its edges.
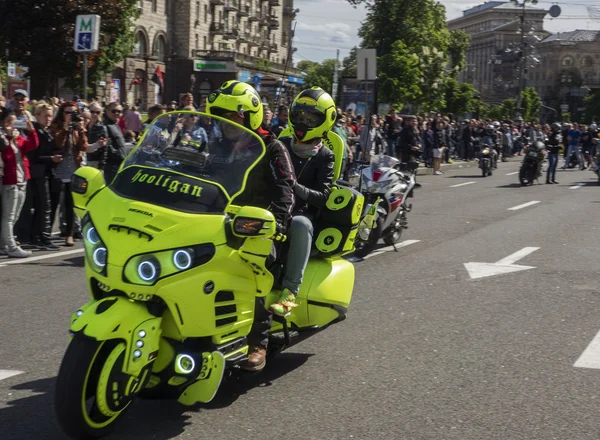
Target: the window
(196, 42)
(205, 13)
(159, 48)
(198, 11)
(154, 5)
(204, 42)
(140, 46)
(567, 61)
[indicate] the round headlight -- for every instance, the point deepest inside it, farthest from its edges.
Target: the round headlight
(182, 260)
(147, 270)
(99, 257)
(92, 236)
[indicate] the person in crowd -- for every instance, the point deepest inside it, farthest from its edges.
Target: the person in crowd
(340, 129)
(440, 144)
(553, 147)
(270, 185)
(2, 101)
(370, 140)
(267, 119)
(115, 151)
(43, 181)
(14, 170)
(574, 145)
(19, 103)
(393, 123)
(186, 100)
(587, 145)
(188, 128)
(282, 120)
(133, 120)
(70, 142)
(428, 145)
(409, 141)
(153, 112)
(121, 120)
(172, 106)
(130, 137)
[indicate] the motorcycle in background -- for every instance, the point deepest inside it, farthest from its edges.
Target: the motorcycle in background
(486, 161)
(532, 163)
(386, 184)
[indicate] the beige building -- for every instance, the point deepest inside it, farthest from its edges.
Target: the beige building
(492, 63)
(198, 44)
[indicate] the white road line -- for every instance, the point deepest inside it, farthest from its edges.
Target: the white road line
(391, 248)
(524, 205)
(5, 374)
(512, 174)
(519, 255)
(41, 257)
(590, 358)
(462, 184)
(579, 185)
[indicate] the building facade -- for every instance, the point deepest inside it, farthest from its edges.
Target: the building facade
(493, 58)
(199, 44)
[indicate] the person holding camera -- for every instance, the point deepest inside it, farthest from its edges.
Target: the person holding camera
(70, 141)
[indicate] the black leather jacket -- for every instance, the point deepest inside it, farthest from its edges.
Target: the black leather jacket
(270, 184)
(314, 178)
(40, 159)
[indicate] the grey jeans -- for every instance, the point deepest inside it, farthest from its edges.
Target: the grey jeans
(300, 234)
(13, 199)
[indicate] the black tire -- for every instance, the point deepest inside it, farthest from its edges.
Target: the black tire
(364, 248)
(484, 169)
(393, 236)
(76, 387)
(526, 175)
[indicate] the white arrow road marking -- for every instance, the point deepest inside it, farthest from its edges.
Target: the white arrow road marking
(590, 358)
(579, 185)
(524, 205)
(462, 184)
(512, 174)
(501, 267)
(7, 262)
(5, 374)
(391, 248)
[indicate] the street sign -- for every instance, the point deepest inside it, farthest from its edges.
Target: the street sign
(564, 107)
(87, 33)
(366, 64)
(12, 70)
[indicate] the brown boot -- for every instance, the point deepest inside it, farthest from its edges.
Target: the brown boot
(257, 359)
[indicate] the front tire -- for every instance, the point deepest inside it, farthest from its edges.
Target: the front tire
(91, 390)
(526, 175)
(394, 234)
(364, 248)
(484, 169)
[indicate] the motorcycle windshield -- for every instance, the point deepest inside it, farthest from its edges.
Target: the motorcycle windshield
(191, 162)
(383, 161)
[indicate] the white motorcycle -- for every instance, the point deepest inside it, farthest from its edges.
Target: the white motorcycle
(386, 184)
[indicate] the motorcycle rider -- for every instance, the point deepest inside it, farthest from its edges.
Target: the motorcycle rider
(490, 139)
(270, 185)
(553, 145)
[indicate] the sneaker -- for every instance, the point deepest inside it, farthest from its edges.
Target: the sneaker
(555, 182)
(3, 250)
(77, 236)
(17, 252)
(257, 359)
(45, 245)
(285, 303)
(437, 173)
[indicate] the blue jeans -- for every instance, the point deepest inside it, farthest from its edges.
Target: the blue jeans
(300, 233)
(568, 156)
(552, 163)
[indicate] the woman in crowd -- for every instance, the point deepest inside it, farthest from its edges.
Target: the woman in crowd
(14, 170)
(70, 142)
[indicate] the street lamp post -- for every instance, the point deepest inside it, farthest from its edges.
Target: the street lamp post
(523, 59)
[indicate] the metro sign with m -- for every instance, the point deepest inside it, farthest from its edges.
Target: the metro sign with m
(87, 31)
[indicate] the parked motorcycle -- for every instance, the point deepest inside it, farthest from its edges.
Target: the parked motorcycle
(597, 161)
(386, 185)
(486, 161)
(174, 266)
(531, 167)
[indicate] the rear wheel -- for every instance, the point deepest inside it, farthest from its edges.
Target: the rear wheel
(394, 234)
(91, 390)
(365, 247)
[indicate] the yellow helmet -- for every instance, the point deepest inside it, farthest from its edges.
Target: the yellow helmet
(237, 97)
(312, 114)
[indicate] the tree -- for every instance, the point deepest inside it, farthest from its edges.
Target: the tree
(399, 76)
(39, 34)
(592, 106)
(459, 98)
(349, 65)
(530, 104)
(508, 108)
(318, 74)
(459, 44)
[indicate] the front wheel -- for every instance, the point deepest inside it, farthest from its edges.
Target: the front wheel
(526, 175)
(91, 390)
(365, 247)
(393, 235)
(484, 169)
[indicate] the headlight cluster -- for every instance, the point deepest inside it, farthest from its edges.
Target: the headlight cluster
(147, 269)
(95, 250)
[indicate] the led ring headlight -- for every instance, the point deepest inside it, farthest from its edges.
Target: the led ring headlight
(92, 236)
(147, 271)
(182, 260)
(99, 256)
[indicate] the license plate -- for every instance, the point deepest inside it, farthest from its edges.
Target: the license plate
(532, 154)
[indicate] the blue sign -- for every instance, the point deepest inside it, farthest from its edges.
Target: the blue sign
(244, 76)
(256, 79)
(295, 80)
(84, 41)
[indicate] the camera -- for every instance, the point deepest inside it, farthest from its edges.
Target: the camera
(76, 116)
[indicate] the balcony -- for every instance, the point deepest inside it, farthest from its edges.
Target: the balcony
(243, 60)
(216, 2)
(273, 47)
(220, 55)
(245, 36)
(253, 16)
(274, 3)
(230, 5)
(231, 32)
(273, 22)
(244, 10)
(217, 28)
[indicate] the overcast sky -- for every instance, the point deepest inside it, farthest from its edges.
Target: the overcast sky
(326, 25)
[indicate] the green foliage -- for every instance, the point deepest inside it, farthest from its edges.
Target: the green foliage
(349, 65)
(530, 104)
(318, 74)
(504, 111)
(566, 117)
(426, 45)
(459, 98)
(592, 106)
(39, 34)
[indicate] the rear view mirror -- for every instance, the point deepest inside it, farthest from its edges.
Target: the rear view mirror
(86, 182)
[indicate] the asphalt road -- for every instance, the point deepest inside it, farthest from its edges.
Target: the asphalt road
(426, 352)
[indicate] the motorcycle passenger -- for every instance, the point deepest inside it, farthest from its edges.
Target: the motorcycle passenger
(553, 145)
(270, 185)
(312, 115)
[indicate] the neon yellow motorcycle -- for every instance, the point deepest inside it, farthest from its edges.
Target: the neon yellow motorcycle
(174, 267)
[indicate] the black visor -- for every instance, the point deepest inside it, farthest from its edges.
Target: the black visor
(307, 116)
